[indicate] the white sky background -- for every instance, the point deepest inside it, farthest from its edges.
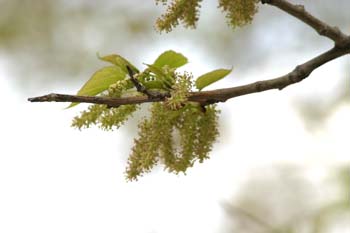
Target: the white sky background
(54, 178)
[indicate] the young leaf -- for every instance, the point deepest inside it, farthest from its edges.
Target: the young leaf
(100, 81)
(161, 75)
(155, 70)
(171, 59)
(119, 61)
(211, 77)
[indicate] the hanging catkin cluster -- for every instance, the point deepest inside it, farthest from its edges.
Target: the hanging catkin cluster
(178, 132)
(104, 117)
(195, 126)
(238, 12)
(184, 11)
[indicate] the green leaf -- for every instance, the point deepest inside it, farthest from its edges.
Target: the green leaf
(168, 81)
(171, 59)
(155, 70)
(119, 61)
(100, 81)
(211, 77)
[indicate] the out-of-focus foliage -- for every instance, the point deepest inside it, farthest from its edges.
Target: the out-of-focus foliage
(196, 125)
(46, 41)
(315, 110)
(283, 200)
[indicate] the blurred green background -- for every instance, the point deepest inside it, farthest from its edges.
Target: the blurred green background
(282, 161)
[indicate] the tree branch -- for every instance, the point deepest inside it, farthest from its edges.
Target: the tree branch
(341, 48)
(298, 11)
(214, 96)
(110, 101)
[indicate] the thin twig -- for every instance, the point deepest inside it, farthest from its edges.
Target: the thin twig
(139, 86)
(110, 101)
(143, 89)
(341, 48)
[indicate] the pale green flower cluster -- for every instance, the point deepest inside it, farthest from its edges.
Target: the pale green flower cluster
(193, 124)
(179, 91)
(103, 116)
(195, 127)
(238, 13)
(178, 132)
(185, 11)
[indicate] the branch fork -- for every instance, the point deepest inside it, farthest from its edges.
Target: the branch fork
(300, 72)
